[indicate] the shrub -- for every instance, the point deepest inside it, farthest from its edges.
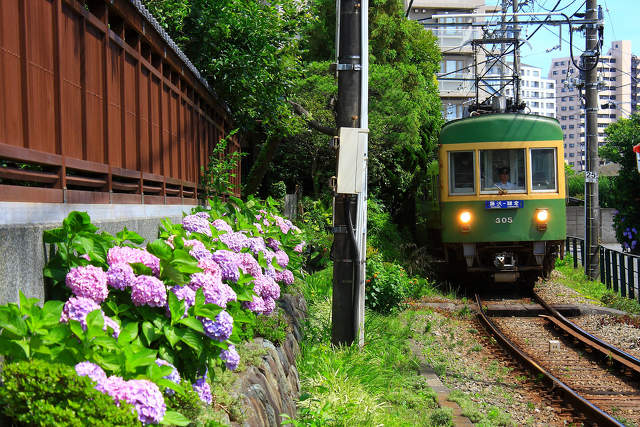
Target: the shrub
(387, 285)
(273, 327)
(278, 190)
(41, 393)
(382, 233)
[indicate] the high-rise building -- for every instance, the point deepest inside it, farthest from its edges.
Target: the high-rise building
(536, 91)
(456, 83)
(618, 96)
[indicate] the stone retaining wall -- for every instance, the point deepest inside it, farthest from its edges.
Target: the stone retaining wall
(575, 223)
(272, 389)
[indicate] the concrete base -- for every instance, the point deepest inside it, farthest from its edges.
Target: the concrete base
(23, 253)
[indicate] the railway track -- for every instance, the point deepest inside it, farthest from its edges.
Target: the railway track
(594, 390)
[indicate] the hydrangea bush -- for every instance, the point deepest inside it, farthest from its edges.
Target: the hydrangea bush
(137, 320)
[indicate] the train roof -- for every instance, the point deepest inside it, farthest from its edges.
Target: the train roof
(501, 127)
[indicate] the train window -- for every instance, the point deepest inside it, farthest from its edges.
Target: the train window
(543, 169)
(461, 172)
(502, 170)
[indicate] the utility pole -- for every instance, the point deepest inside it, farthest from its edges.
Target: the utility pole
(591, 202)
(347, 271)
(503, 34)
(516, 56)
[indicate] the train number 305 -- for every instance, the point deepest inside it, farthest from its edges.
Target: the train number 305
(504, 220)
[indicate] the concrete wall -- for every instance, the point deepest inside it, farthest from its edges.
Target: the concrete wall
(575, 223)
(23, 253)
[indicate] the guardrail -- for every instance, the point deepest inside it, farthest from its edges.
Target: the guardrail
(619, 271)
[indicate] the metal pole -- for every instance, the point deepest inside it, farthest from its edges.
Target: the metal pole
(516, 56)
(348, 115)
(591, 202)
(503, 28)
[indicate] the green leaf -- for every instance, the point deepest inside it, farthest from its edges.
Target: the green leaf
(193, 340)
(193, 323)
(110, 361)
(150, 332)
(200, 299)
(11, 321)
(56, 235)
(140, 269)
(171, 335)
(132, 236)
(175, 418)
(160, 248)
(107, 342)
(143, 357)
(82, 244)
(210, 311)
(78, 221)
(57, 334)
(176, 308)
(76, 328)
(51, 311)
(128, 333)
(95, 323)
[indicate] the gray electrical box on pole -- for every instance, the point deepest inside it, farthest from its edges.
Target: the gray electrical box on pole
(592, 162)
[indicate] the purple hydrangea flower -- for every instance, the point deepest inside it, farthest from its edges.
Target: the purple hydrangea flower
(259, 227)
(203, 215)
(85, 256)
(282, 258)
(195, 244)
(266, 287)
(230, 357)
(269, 305)
(271, 271)
(228, 262)
(273, 243)
(285, 276)
(88, 282)
(299, 247)
(280, 222)
(197, 224)
(201, 280)
(147, 290)
(120, 276)
(128, 255)
(174, 376)
(221, 225)
(221, 328)
(147, 400)
(249, 265)
(77, 308)
(255, 244)
(219, 295)
(234, 241)
(256, 305)
(201, 386)
(91, 370)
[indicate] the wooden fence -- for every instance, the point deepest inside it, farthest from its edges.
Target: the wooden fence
(98, 105)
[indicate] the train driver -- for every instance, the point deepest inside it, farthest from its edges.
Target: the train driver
(503, 175)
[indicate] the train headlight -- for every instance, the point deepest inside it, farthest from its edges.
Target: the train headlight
(542, 217)
(465, 220)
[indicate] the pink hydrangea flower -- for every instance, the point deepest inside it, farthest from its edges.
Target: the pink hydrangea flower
(89, 282)
(77, 308)
(282, 258)
(120, 276)
(299, 247)
(249, 265)
(194, 223)
(269, 306)
(221, 225)
(148, 290)
(266, 287)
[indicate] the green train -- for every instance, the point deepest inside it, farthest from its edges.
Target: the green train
(497, 198)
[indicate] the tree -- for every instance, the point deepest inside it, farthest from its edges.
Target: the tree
(621, 137)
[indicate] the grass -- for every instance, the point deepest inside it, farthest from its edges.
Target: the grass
(577, 280)
(375, 385)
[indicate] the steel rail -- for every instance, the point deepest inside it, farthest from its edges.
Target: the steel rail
(588, 409)
(585, 337)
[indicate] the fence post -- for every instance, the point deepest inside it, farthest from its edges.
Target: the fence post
(614, 267)
(582, 252)
(602, 278)
(623, 276)
(607, 255)
(574, 243)
(630, 278)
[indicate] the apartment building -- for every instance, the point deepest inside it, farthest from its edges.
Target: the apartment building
(456, 83)
(537, 92)
(618, 96)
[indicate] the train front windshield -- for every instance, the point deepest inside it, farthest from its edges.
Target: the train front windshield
(502, 170)
(512, 170)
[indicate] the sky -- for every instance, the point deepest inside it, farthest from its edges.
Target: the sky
(621, 22)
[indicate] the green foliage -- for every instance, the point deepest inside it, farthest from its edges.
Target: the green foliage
(246, 49)
(317, 220)
(621, 137)
(278, 190)
(41, 393)
(382, 233)
(216, 177)
(273, 327)
(575, 183)
(387, 285)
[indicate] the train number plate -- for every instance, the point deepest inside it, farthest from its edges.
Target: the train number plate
(503, 204)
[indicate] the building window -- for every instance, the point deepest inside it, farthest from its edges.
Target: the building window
(550, 85)
(563, 108)
(564, 98)
(571, 136)
(563, 118)
(572, 155)
(563, 127)
(571, 98)
(571, 107)
(571, 126)
(571, 117)
(550, 105)
(555, 72)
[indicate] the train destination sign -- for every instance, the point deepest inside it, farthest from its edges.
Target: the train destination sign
(503, 204)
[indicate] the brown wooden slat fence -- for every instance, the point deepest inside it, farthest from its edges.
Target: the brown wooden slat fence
(97, 106)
